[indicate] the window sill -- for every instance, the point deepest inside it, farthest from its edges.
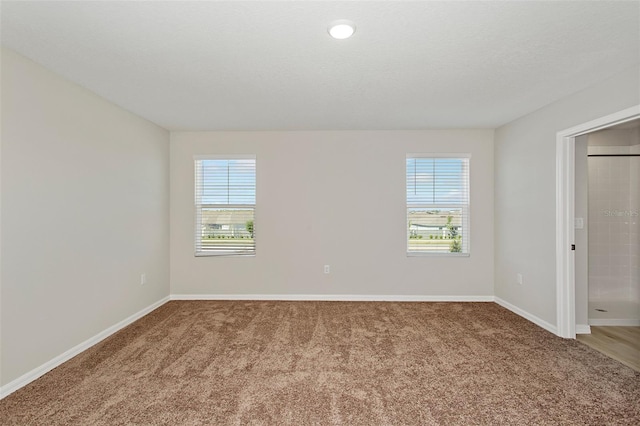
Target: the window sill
(418, 254)
(225, 254)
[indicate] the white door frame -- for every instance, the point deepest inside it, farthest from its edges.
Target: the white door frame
(565, 205)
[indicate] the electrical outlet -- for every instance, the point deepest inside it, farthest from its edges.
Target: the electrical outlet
(327, 269)
(143, 279)
(519, 278)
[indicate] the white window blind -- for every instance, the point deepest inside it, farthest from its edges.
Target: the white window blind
(225, 202)
(437, 204)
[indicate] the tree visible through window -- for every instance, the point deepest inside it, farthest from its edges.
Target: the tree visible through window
(437, 204)
(225, 205)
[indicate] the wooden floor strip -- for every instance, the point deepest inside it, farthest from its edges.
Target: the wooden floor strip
(619, 343)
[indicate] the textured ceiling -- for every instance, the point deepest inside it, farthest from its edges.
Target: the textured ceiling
(272, 66)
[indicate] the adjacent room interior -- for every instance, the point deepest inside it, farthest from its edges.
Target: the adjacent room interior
(224, 212)
(614, 188)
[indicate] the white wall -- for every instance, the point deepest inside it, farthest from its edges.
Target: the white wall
(84, 212)
(334, 198)
(525, 190)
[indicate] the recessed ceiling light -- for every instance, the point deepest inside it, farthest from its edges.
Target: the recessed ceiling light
(342, 29)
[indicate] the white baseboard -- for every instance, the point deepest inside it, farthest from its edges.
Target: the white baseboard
(32, 375)
(583, 329)
(615, 322)
(534, 319)
(333, 297)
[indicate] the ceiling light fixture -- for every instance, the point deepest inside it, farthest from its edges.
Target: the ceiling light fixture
(342, 29)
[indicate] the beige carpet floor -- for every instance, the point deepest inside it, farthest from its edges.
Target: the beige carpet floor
(342, 363)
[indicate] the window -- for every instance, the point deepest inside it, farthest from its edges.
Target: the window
(225, 203)
(437, 204)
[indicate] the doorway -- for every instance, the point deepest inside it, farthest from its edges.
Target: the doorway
(607, 201)
(565, 217)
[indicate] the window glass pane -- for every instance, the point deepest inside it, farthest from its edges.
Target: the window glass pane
(436, 181)
(227, 229)
(435, 230)
(229, 181)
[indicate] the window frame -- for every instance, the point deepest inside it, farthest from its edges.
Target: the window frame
(466, 208)
(198, 207)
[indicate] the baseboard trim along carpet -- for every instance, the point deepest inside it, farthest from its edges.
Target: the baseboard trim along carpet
(333, 297)
(628, 322)
(37, 372)
(534, 319)
(583, 329)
